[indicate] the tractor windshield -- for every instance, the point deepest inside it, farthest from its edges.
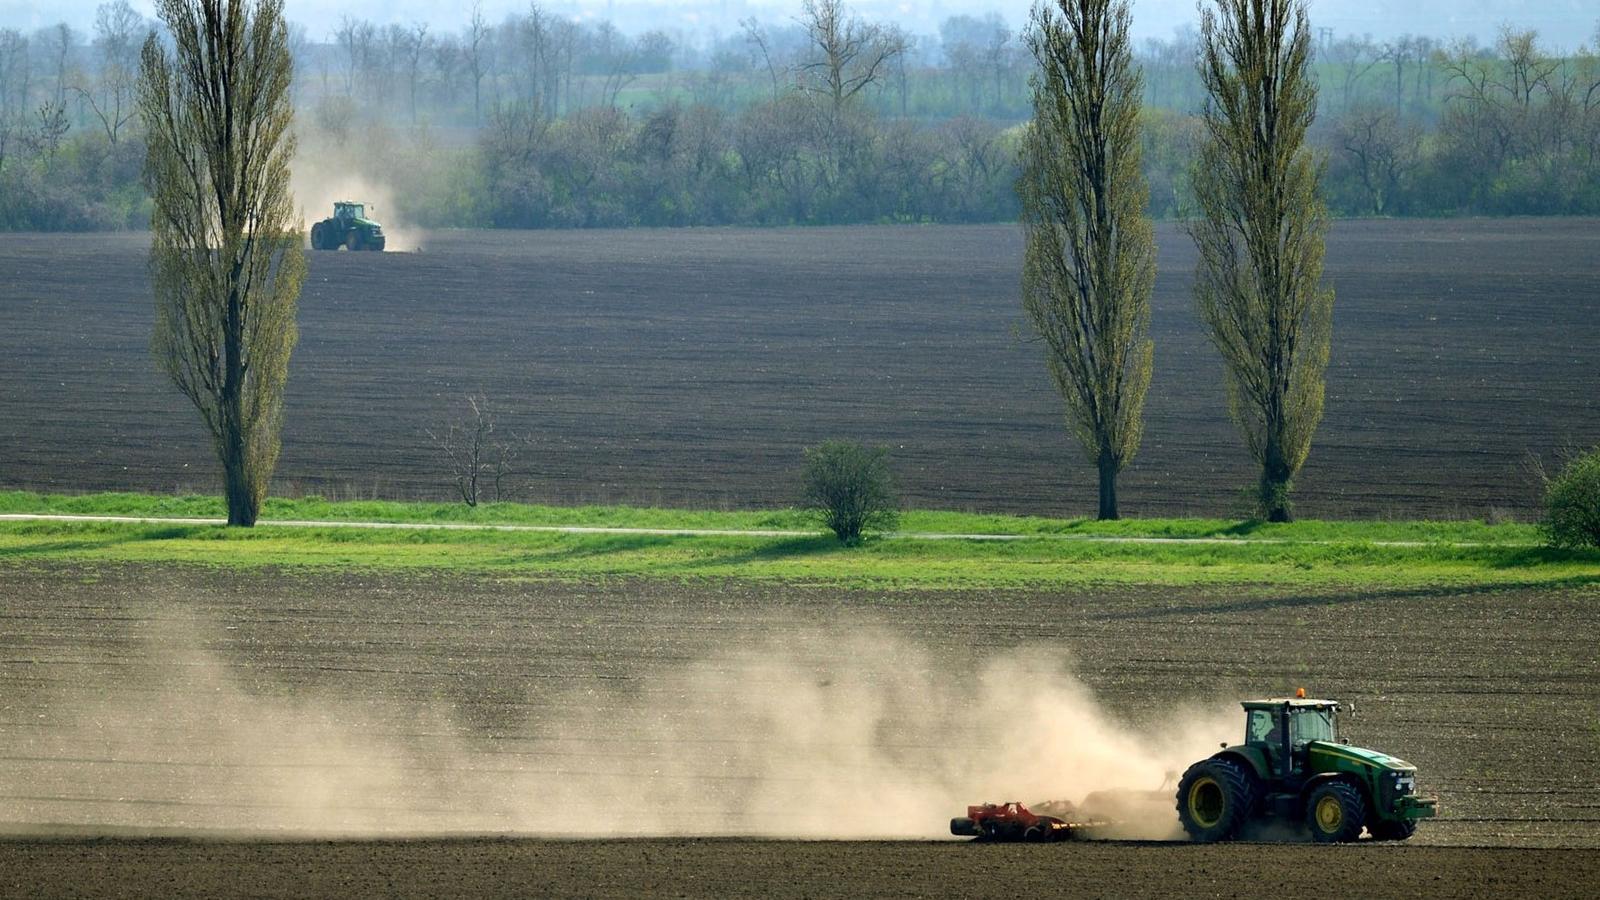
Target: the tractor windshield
(350, 211)
(1307, 725)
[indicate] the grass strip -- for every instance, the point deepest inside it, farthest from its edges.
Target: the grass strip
(883, 562)
(919, 521)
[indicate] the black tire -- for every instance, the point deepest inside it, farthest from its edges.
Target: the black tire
(316, 236)
(1216, 799)
(353, 239)
(376, 244)
(1335, 813)
(963, 827)
(1393, 831)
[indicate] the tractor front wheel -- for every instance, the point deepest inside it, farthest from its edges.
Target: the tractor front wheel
(1335, 813)
(1216, 798)
(353, 241)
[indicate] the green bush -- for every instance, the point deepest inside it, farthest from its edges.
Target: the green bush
(1572, 504)
(849, 489)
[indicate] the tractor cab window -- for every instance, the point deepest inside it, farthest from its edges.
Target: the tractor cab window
(349, 210)
(1262, 727)
(1307, 725)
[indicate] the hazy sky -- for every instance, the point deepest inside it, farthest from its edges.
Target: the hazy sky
(1563, 22)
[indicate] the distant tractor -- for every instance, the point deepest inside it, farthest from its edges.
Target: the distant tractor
(349, 228)
(1293, 769)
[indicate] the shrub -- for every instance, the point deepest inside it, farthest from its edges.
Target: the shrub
(848, 487)
(1572, 503)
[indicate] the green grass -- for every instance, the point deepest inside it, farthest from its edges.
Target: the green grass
(921, 521)
(1311, 554)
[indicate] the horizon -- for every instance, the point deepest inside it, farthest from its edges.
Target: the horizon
(1563, 24)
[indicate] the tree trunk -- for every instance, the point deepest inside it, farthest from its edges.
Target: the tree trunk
(235, 462)
(1108, 487)
(241, 499)
(1275, 476)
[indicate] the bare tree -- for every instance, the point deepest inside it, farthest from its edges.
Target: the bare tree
(847, 54)
(1089, 265)
(755, 34)
(414, 45)
(15, 75)
(225, 258)
(1261, 232)
(118, 31)
(58, 41)
(1355, 57)
(1383, 148)
(476, 49)
(357, 39)
(478, 453)
(902, 81)
(49, 128)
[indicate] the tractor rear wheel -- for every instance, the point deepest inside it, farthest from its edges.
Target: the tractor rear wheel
(1335, 813)
(1393, 831)
(316, 236)
(1216, 798)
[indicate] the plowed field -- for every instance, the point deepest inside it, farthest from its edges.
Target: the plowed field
(691, 367)
(162, 698)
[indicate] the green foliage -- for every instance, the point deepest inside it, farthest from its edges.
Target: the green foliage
(1572, 504)
(225, 256)
(847, 486)
(1260, 233)
(1089, 265)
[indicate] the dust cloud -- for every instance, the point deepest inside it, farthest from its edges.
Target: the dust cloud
(812, 734)
(323, 172)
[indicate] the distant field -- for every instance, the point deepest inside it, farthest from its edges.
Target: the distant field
(690, 367)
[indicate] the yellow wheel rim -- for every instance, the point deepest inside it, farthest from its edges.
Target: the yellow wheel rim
(1206, 802)
(1330, 814)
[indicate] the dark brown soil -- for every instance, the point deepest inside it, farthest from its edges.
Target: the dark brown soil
(723, 868)
(691, 366)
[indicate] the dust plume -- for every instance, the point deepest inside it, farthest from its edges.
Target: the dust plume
(327, 170)
(816, 734)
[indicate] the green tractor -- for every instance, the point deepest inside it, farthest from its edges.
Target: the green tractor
(348, 228)
(1292, 768)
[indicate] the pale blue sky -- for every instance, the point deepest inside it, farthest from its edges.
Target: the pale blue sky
(1563, 22)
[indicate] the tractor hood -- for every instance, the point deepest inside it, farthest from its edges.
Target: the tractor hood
(1326, 756)
(364, 223)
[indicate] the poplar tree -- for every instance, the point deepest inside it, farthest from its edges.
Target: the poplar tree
(226, 259)
(1260, 231)
(1089, 260)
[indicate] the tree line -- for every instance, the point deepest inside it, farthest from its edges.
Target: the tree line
(537, 121)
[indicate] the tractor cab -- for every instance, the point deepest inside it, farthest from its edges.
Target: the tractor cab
(1281, 728)
(348, 211)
